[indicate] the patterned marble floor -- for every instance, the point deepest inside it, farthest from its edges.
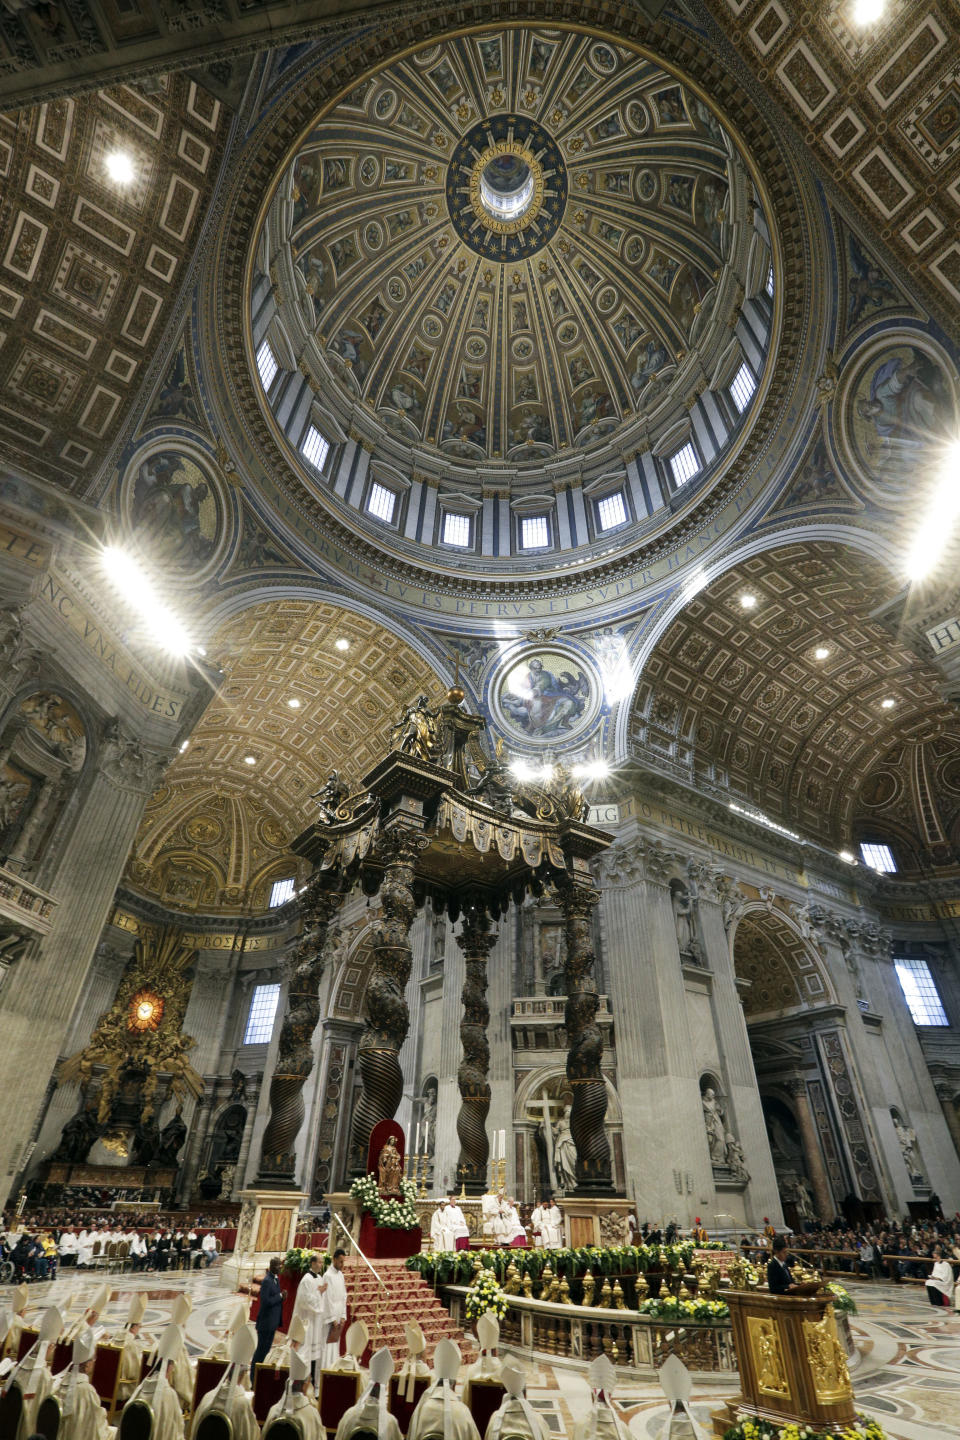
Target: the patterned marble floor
(907, 1376)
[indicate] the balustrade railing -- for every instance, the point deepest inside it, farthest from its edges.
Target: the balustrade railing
(24, 904)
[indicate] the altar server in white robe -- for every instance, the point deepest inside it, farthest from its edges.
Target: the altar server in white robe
(370, 1412)
(157, 1389)
(231, 1398)
(487, 1364)
(131, 1347)
(455, 1225)
(310, 1310)
(32, 1375)
(355, 1342)
(602, 1422)
(414, 1368)
(297, 1403)
(516, 1416)
(439, 1410)
(546, 1222)
(18, 1304)
(82, 1415)
(85, 1246)
(333, 1288)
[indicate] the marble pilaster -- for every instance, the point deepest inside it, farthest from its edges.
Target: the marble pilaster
(826, 1206)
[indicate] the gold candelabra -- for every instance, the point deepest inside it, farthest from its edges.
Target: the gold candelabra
(422, 1192)
(463, 1183)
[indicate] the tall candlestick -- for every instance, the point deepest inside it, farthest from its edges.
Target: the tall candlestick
(416, 1143)
(503, 1144)
(426, 1132)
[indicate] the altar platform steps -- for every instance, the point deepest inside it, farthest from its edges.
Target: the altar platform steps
(410, 1298)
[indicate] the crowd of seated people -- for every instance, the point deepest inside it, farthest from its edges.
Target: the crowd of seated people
(37, 1244)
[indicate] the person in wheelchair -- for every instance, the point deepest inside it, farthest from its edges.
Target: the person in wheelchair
(226, 1413)
(82, 1417)
(295, 1415)
(370, 1419)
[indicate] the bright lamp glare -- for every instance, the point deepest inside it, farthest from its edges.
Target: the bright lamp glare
(592, 770)
(850, 859)
(867, 12)
(522, 770)
(141, 596)
(938, 523)
(119, 167)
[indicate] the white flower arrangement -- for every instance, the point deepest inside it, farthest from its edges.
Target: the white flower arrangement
(387, 1214)
(486, 1295)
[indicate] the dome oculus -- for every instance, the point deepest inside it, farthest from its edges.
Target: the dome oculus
(506, 188)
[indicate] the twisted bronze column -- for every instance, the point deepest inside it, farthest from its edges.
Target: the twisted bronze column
(476, 940)
(295, 1051)
(585, 1039)
(387, 1018)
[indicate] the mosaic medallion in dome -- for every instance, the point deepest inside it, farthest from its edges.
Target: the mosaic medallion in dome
(511, 243)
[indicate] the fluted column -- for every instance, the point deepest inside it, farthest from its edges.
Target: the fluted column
(476, 940)
(295, 1050)
(387, 1016)
(945, 1094)
(577, 900)
(822, 1194)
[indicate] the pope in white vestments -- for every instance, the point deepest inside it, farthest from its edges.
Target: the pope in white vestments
(296, 1403)
(546, 1223)
(439, 1410)
(82, 1415)
(511, 1229)
(516, 1415)
(370, 1412)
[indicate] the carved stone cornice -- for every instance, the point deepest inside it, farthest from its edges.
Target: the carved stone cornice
(627, 862)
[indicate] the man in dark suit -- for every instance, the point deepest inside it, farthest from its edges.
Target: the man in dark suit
(779, 1279)
(269, 1314)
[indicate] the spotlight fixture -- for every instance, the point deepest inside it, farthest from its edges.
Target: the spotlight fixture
(294, 703)
(119, 167)
(748, 602)
(822, 651)
(342, 644)
(249, 759)
(887, 704)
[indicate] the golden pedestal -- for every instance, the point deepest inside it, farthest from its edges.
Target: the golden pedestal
(792, 1362)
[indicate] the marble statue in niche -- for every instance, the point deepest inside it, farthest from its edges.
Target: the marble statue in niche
(684, 919)
(714, 1126)
(909, 1149)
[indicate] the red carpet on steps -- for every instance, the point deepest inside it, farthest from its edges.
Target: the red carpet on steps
(409, 1298)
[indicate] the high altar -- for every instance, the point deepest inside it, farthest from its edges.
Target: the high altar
(440, 817)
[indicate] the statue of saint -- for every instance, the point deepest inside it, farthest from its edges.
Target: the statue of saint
(564, 1153)
(683, 920)
(713, 1120)
(734, 1156)
(390, 1167)
(908, 1147)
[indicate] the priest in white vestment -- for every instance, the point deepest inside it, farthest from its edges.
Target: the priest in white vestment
(333, 1288)
(370, 1412)
(157, 1390)
(546, 1222)
(355, 1342)
(32, 1375)
(131, 1354)
(18, 1304)
(511, 1227)
(231, 1397)
(82, 1415)
(90, 1319)
(309, 1309)
(516, 1416)
(221, 1348)
(602, 1422)
(455, 1224)
(297, 1403)
(414, 1368)
(439, 1410)
(440, 1238)
(279, 1353)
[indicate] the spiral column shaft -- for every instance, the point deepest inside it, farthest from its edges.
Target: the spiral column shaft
(295, 1051)
(585, 1039)
(476, 940)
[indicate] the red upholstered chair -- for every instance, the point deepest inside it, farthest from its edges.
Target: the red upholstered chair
(28, 1338)
(400, 1408)
(59, 1357)
(339, 1389)
(106, 1374)
(209, 1374)
(483, 1400)
(269, 1383)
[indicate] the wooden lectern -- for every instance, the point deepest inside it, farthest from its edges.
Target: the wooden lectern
(791, 1360)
